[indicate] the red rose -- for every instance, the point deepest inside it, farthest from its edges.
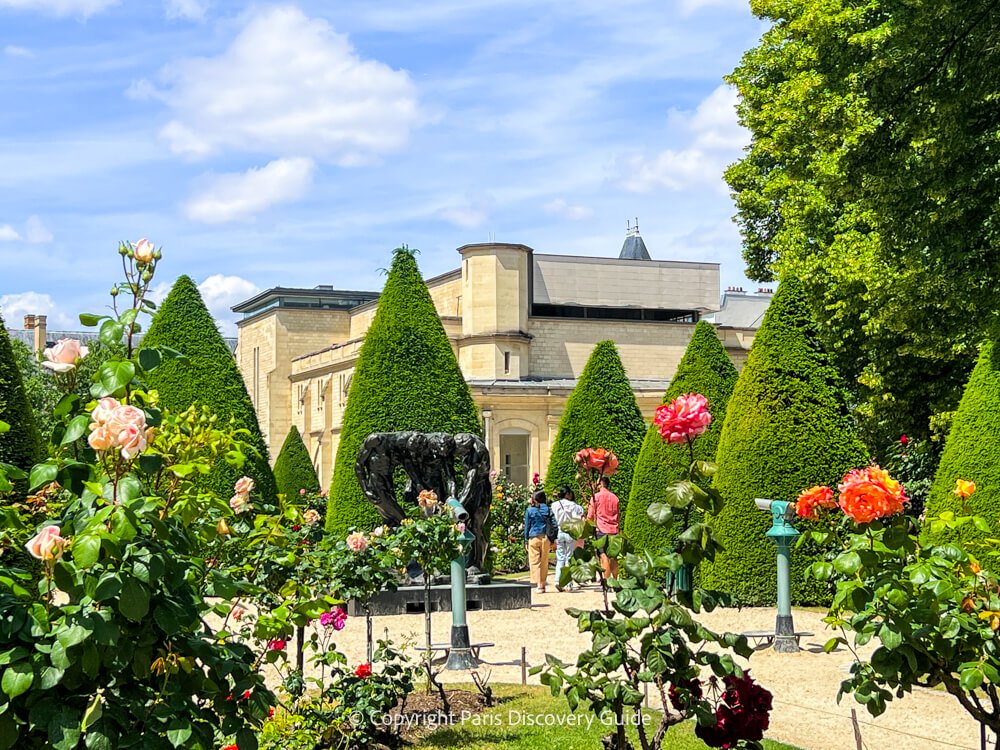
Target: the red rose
(363, 670)
(903, 440)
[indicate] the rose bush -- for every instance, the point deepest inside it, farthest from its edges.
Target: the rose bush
(506, 522)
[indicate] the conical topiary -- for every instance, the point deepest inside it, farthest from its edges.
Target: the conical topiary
(208, 376)
(293, 469)
(601, 412)
(972, 451)
(21, 445)
(406, 378)
(787, 428)
(705, 368)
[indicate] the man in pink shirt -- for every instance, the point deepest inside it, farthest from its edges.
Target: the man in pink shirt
(603, 511)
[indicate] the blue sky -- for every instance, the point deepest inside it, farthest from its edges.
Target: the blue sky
(297, 144)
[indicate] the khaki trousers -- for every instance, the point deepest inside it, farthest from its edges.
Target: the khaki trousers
(538, 560)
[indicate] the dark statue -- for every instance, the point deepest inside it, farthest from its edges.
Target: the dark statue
(429, 461)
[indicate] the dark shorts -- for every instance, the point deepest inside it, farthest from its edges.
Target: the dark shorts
(599, 534)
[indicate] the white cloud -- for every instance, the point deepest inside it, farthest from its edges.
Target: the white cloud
(191, 10)
(8, 233)
(14, 307)
(287, 84)
(36, 232)
(473, 213)
(229, 197)
(14, 51)
(688, 7)
(82, 8)
(559, 207)
(220, 293)
(715, 140)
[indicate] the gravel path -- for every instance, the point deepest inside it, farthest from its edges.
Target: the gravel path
(804, 685)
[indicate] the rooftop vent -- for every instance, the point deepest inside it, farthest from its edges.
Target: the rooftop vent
(735, 289)
(764, 290)
(325, 287)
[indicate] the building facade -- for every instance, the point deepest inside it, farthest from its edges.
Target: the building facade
(522, 325)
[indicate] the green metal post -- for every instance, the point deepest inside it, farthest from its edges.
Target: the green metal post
(783, 533)
(460, 654)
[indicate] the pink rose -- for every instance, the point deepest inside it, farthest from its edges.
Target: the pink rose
(101, 438)
(276, 644)
(243, 486)
(143, 250)
(102, 412)
(302, 492)
(684, 418)
(238, 613)
(461, 527)
(132, 441)
(63, 356)
(47, 544)
(239, 503)
(311, 516)
(127, 416)
(357, 542)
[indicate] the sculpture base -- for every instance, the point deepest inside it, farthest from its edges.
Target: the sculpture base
(460, 656)
(410, 599)
(785, 640)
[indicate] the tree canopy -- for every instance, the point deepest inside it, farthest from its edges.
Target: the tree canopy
(293, 469)
(872, 176)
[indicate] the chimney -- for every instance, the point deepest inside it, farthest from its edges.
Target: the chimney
(38, 324)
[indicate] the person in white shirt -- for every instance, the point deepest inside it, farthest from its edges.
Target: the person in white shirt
(565, 509)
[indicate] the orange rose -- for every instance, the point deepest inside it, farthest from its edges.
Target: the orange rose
(870, 493)
(812, 500)
(963, 488)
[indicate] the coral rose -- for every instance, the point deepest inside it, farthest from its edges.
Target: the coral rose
(870, 493)
(143, 250)
(427, 499)
(963, 488)
(684, 418)
(243, 486)
(357, 542)
(597, 459)
(47, 544)
(63, 355)
(812, 500)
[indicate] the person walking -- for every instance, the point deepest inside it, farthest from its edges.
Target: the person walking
(603, 511)
(565, 509)
(536, 523)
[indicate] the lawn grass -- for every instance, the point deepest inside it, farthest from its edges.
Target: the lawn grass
(508, 726)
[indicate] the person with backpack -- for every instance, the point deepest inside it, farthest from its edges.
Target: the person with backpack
(539, 527)
(565, 509)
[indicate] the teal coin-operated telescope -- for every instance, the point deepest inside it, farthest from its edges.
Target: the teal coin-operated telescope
(460, 654)
(783, 533)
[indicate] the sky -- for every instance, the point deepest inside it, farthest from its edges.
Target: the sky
(297, 144)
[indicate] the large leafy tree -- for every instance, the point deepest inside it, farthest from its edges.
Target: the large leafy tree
(873, 177)
(788, 427)
(601, 412)
(406, 378)
(705, 368)
(207, 375)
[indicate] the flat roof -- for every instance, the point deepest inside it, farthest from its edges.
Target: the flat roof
(318, 293)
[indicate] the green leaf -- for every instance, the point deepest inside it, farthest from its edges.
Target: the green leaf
(133, 602)
(111, 332)
(971, 679)
(890, 638)
(94, 712)
(704, 469)
(179, 732)
(114, 376)
(4, 427)
(660, 514)
(679, 494)
(66, 405)
(90, 319)
(17, 678)
(246, 739)
(76, 429)
(86, 550)
(848, 563)
(42, 474)
(8, 731)
(149, 359)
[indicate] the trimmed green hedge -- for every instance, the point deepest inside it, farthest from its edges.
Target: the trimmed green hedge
(22, 445)
(787, 427)
(601, 412)
(972, 450)
(406, 378)
(208, 376)
(293, 469)
(705, 368)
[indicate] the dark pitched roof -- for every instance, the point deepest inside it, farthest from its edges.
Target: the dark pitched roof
(634, 248)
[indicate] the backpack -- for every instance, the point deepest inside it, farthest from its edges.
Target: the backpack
(551, 527)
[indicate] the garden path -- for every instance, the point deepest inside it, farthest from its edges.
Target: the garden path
(804, 685)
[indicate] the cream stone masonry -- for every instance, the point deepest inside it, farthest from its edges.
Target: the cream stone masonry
(522, 325)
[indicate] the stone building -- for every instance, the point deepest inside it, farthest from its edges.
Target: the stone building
(522, 325)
